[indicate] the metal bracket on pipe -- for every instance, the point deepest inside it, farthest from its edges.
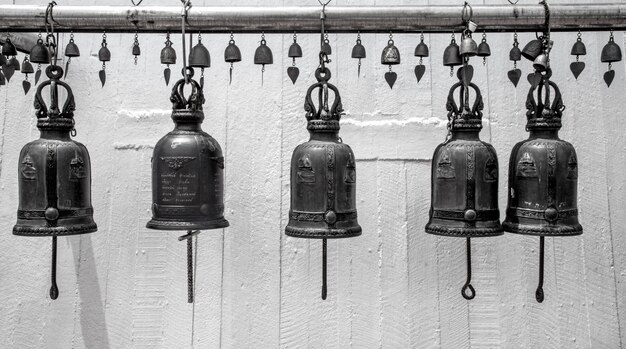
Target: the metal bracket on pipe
(305, 19)
(23, 41)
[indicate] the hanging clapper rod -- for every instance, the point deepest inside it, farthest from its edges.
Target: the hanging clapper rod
(539, 291)
(54, 289)
(468, 291)
(190, 284)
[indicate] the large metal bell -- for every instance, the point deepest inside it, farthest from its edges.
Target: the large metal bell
(8, 49)
(390, 54)
(295, 50)
(541, 63)
(168, 54)
(421, 50)
(199, 56)
(543, 172)
(71, 50)
(468, 47)
(483, 49)
(532, 49)
(611, 52)
(451, 55)
(40, 53)
(579, 49)
(263, 54)
(232, 53)
(358, 50)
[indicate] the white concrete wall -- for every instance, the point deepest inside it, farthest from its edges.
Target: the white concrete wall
(393, 287)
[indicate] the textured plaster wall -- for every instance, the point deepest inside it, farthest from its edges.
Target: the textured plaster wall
(393, 287)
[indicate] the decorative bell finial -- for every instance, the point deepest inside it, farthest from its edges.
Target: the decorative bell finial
(323, 174)
(54, 174)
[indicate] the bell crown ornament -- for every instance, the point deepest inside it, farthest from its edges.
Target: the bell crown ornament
(542, 110)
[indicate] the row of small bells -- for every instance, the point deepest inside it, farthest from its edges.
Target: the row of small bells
(543, 170)
(55, 174)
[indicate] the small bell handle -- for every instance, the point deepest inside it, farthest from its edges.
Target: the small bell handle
(54, 72)
(196, 98)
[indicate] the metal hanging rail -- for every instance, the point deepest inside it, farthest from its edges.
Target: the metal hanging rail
(374, 19)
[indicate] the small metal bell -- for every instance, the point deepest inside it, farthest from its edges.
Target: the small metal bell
(468, 47)
(358, 51)
(27, 68)
(136, 50)
(390, 54)
(263, 55)
(39, 53)
(484, 50)
(168, 54)
(232, 54)
(14, 63)
(515, 54)
(295, 51)
(8, 49)
(611, 52)
(579, 48)
(71, 50)
(199, 56)
(541, 62)
(104, 55)
(532, 49)
(452, 56)
(421, 50)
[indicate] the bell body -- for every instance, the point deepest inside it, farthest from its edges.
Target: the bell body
(611, 53)
(484, 50)
(232, 53)
(295, 50)
(543, 181)
(199, 56)
(71, 50)
(358, 50)
(168, 55)
(452, 56)
(39, 53)
(390, 55)
(421, 50)
(578, 49)
(468, 47)
(187, 177)
(263, 54)
(464, 197)
(323, 189)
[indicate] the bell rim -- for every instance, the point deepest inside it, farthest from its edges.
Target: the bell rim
(323, 233)
(436, 229)
(542, 230)
(169, 224)
(77, 229)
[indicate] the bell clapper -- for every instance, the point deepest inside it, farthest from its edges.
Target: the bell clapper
(539, 291)
(54, 290)
(324, 263)
(190, 285)
(468, 286)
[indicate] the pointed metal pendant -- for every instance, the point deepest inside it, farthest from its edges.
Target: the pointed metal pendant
(577, 68)
(103, 76)
(534, 79)
(37, 76)
(202, 82)
(166, 74)
(514, 75)
(230, 74)
(391, 77)
(8, 70)
(419, 71)
(25, 86)
(608, 77)
(67, 65)
(293, 73)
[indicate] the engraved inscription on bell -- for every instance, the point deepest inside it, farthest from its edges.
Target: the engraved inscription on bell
(526, 167)
(572, 167)
(350, 176)
(179, 185)
(77, 168)
(491, 169)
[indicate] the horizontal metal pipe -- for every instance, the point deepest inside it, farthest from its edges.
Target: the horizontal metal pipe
(379, 19)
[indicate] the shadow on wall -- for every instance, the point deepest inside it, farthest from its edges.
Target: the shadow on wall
(92, 318)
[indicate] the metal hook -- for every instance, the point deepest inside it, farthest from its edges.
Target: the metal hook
(467, 12)
(137, 4)
(513, 3)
